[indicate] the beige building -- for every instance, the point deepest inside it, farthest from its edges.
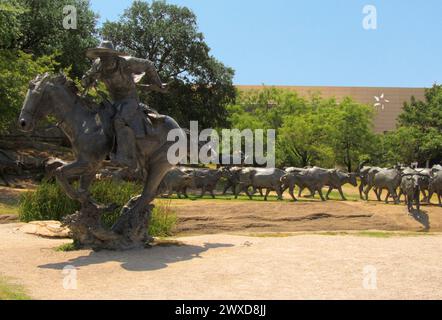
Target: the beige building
(387, 102)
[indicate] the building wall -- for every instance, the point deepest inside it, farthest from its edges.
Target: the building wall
(388, 104)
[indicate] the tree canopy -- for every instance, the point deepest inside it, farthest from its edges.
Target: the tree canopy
(166, 34)
(310, 131)
(36, 27)
(32, 31)
(419, 134)
(17, 69)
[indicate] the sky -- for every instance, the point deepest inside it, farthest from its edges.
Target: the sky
(318, 42)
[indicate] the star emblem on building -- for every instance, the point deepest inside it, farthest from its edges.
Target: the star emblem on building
(381, 101)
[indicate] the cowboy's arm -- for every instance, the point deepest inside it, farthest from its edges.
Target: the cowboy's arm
(138, 66)
(91, 75)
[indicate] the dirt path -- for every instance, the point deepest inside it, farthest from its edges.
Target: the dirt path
(232, 267)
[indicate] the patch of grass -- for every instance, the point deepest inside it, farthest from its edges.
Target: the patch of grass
(242, 198)
(47, 202)
(163, 219)
(364, 233)
(375, 233)
(335, 195)
(333, 233)
(9, 208)
(8, 202)
(389, 234)
(9, 291)
(66, 247)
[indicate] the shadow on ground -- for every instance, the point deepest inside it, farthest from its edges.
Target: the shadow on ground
(154, 258)
(421, 217)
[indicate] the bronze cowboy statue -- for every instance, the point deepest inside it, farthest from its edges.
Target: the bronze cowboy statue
(120, 73)
(92, 129)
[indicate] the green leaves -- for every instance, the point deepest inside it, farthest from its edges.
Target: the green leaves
(33, 41)
(10, 12)
(36, 27)
(352, 132)
(419, 135)
(310, 131)
(17, 69)
(200, 86)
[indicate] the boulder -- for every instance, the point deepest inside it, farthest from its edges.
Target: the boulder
(47, 229)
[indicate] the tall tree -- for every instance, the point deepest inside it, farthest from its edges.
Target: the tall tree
(10, 31)
(352, 136)
(302, 141)
(420, 127)
(200, 85)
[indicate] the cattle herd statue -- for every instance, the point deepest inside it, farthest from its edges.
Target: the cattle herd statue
(397, 181)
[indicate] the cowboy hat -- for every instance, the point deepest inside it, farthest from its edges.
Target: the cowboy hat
(105, 48)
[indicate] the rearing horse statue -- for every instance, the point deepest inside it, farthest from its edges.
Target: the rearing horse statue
(91, 134)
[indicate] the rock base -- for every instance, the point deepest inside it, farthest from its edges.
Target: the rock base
(47, 229)
(129, 232)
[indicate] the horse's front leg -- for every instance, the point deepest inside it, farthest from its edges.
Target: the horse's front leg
(85, 183)
(80, 169)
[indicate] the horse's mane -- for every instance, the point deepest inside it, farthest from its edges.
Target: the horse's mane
(62, 80)
(69, 84)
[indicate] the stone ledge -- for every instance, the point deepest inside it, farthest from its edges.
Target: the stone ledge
(47, 229)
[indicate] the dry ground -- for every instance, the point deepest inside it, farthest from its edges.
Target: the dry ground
(208, 216)
(232, 267)
(199, 216)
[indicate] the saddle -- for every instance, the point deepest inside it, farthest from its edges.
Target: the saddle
(106, 104)
(152, 117)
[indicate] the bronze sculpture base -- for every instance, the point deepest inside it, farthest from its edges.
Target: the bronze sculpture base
(129, 232)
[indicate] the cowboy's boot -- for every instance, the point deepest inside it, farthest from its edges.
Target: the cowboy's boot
(143, 128)
(149, 128)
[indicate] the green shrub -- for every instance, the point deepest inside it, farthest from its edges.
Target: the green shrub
(163, 219)
(49, 202)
